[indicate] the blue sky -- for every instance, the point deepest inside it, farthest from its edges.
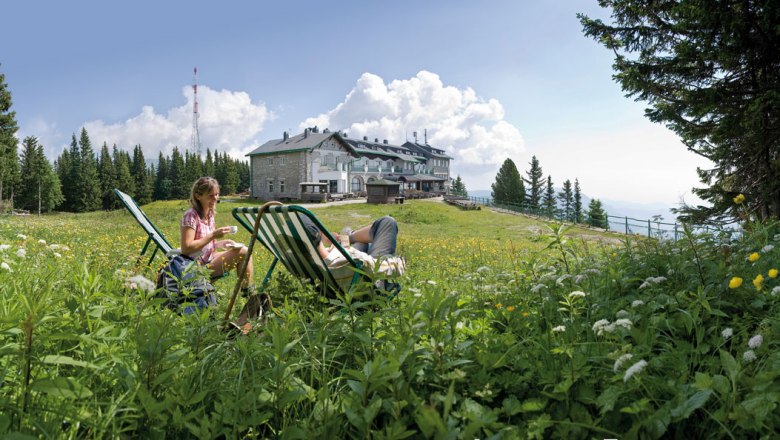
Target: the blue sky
(488, 80)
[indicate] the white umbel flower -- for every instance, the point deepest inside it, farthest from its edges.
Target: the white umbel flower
(21, 253)
(560, 328)
(636, 303)
(755, 341)
(727, 332)
(577, 294)
(634, 369)
(749, 356)
(620, 361)
(5, 266)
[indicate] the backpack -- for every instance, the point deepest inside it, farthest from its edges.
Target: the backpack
(182, 280)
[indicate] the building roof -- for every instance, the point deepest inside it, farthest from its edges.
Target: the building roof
(427, 150)
(308, 140)
(417, 178)
(382, 182)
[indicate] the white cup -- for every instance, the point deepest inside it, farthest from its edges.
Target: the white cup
(233, 229)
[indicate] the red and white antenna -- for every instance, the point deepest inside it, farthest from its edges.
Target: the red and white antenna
(195, 142)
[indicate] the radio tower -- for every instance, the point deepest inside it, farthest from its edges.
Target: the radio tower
(195, 143)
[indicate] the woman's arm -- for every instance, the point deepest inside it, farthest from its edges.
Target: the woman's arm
(190, 246)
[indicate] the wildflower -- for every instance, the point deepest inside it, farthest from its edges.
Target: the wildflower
(560, 328)
(431, 282)
(772, 273)
(577, 294)
(525, 314)
(22, 236)
(621, 314)
(749, 356)
(625, 323)
(634, 369)
(757, 281)
(755, 341)
(499, 305)
(775, 291)
(652, 280)
(727, 332)
(593, 271)
(739, 199)
(459, 325)
(5, 266)
(483, 269)
(754, 257)
(537, 288)
(4, 247)
(766, 249)
(21, 253)
(580, 278)
(603, 326)
(42, 241)
(637, 303)
(58, 255)
(620, 361)
(735, 282)
(510, 308)
(562, 278)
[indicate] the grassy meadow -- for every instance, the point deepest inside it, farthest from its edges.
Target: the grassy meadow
(507, 327)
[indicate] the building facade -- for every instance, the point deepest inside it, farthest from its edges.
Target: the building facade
(281, 168)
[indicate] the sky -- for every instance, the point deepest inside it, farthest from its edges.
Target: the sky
(486, 81)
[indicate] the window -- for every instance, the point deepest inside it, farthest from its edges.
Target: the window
(355, 184)
(270, 186)
(281, 186)
(283, 160)
(270, 161)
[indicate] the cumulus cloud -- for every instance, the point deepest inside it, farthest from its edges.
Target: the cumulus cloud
(228, 121)
(471, 129)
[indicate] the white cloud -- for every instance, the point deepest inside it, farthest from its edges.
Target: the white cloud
(228, 121)
(471, 129)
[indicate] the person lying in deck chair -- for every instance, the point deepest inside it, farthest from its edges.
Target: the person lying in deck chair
(374, 245)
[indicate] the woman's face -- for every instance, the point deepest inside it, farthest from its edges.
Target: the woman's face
(208, 201)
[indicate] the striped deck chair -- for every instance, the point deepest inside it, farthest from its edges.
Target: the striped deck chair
(155, 236)
(281, 232)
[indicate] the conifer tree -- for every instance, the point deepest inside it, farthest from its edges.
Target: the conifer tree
(89, 195)
(9, 160)
(508, 188)
(124, 180)
(139, 171)
(596, 215)
(459, 188)
(70, 182)
(162, 183)
(577, 202)
(208, 166)
(62, 167)
(107, 177)
(549, 203)
(177, 174)
(567, 202)
(39, 189)
(535, 183)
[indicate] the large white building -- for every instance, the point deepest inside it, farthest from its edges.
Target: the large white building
(281, 168)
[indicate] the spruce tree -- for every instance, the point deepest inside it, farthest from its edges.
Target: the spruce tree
(89, 195)
(139, 171)
(39, 189)
(535, 183)
(549, 203)
(9, 160)
(243, 175)
(596, 215)
(508, 188)
(459, 188)
(107, 177)
(162, 183)
(208, 166)
(124, 180)
(177, 174)
(577, 202)
(709, 72)
(62, 166)
(70, 182)
(566, 199)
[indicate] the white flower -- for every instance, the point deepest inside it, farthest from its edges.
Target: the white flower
(625, 323)
(755, 341)
(562, 278)
(56, 254)
(560, 328)
(619, 361)
(749, 356)
(602, 325)
(5, 266)
(767, 248)
(4, 247)
(141, 283)
(652, 280)
(577, 293)
(634, 369)
(21, 253)
(621, 314)
(775, 291)
(637, 303)
(537, 288)
(483, 269)
(580, 278)
(593, 271)
(727, 332)
(22, 236)
(431, 282)
(42, 241)
(459, 325)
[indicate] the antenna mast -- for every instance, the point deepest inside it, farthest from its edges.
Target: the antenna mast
(195, 142)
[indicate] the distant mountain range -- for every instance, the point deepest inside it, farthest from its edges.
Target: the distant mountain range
(618, 208)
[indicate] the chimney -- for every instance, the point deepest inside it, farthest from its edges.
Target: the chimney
(426, 136)
(365, 138)
(384, 141)
(305, 133)
(415, 137)
(286, 136)
(376, 140)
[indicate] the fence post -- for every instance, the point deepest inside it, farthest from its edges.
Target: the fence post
(626, 225)
(649, 231)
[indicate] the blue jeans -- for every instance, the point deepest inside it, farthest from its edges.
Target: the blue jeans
(384, 235)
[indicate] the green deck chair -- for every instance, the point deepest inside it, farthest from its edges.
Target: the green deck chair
(281, 232)
(155, 236)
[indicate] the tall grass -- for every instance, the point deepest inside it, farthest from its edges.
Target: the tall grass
(506, 328)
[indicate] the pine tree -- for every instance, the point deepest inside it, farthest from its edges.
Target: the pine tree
(89, 195)
(459, 188)
(9, 160)
(243, 175)
(577, 202)
(107, 178)
(567, 202)
(535, 183)
(177, 174)
(208, 166)
(162, 183)
(70, 183)
(596, 215)
(62, 167)
(508, 188)
(143, 183)
(124, 180)
(39, 189)
(709, 72)
(549, 203)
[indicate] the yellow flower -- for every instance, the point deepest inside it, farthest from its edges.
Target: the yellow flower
(757, 281)
(754, 257)
(524, 314)
(510, 308)
(499, 305)
(772, 273)
(735, 282)
(739, 199)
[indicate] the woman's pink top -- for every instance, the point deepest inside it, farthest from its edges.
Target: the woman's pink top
(202, 227)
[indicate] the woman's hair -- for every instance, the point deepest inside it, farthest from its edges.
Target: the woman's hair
(204, 185)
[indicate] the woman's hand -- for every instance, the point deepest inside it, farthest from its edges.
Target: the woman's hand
(221, 232)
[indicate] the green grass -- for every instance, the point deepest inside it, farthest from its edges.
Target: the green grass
(498, 333)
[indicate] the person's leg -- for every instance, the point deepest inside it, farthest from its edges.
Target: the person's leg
(383, 236)
(228, 260)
